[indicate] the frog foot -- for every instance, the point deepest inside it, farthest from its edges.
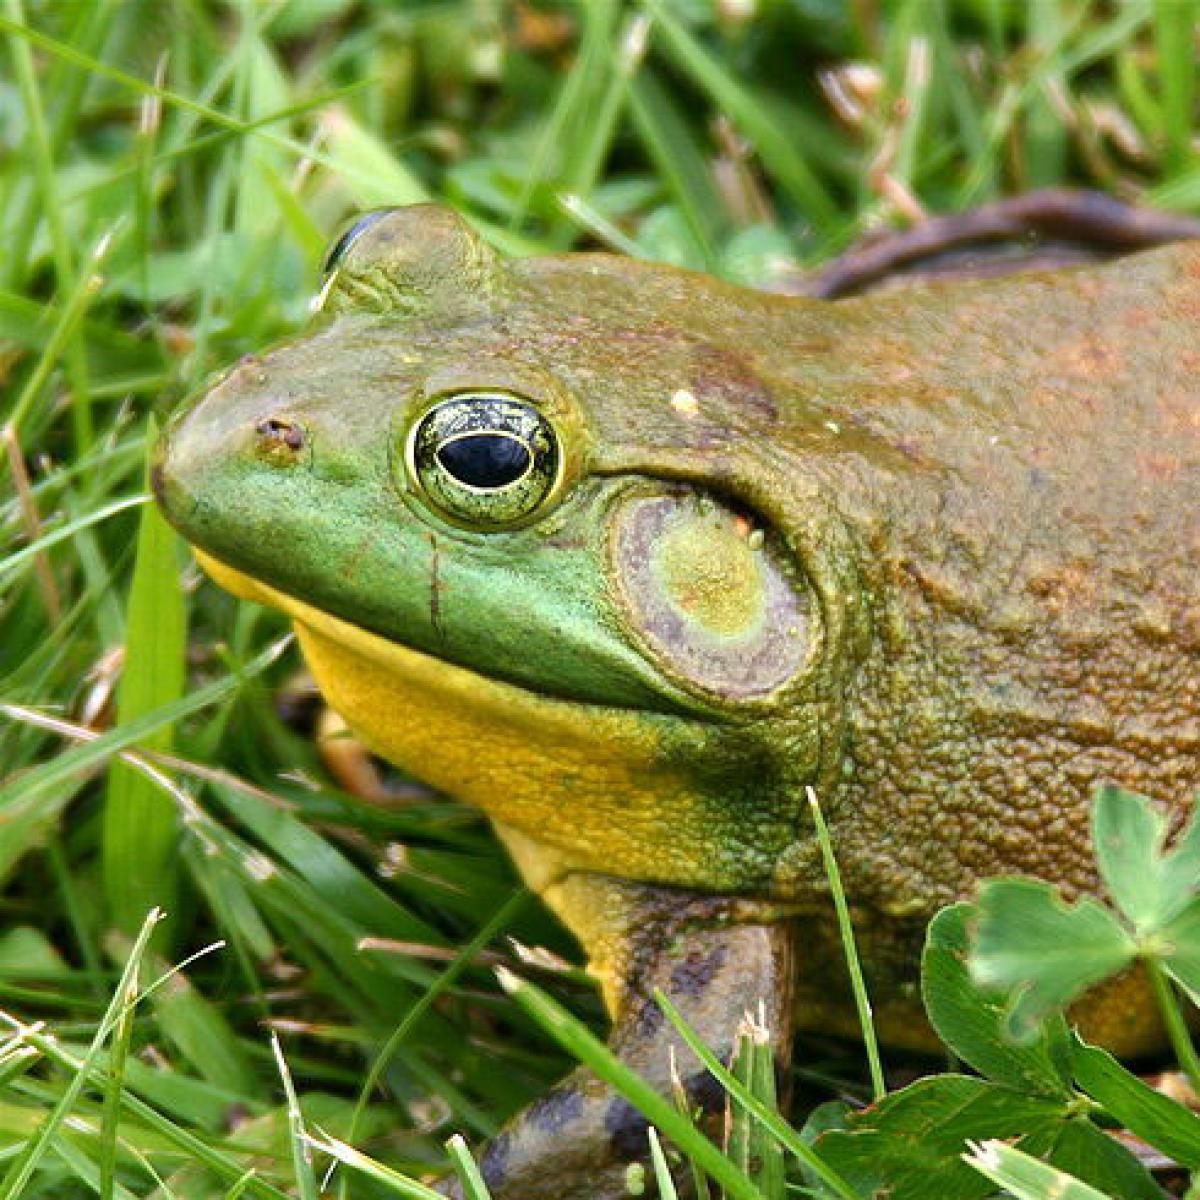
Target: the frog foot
(582, 1140)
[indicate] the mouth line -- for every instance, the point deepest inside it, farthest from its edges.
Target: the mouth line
(409, 661)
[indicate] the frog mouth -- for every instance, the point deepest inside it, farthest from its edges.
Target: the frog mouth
(415, 668)
(591, 786)
(561, 770)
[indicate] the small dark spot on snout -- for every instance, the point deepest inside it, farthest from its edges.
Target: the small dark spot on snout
(279, 440)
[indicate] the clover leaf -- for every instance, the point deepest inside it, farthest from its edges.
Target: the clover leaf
(1042, 951)
(909, 1146)
(1046, 953)
(1149, 885)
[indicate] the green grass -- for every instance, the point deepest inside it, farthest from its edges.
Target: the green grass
(170, 171)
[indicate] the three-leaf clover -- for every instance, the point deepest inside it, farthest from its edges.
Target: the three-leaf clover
(1045, 952)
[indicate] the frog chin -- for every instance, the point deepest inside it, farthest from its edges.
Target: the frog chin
(606, 784)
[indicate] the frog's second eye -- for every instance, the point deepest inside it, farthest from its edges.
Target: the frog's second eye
(350, 235)
(485, 460)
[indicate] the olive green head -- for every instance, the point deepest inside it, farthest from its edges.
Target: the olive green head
(553, 473)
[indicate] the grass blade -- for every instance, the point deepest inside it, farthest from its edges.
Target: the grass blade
(1175, 24)
(662, 1172)
(750, 1144)
(583, 92)
(183, 1140)
(1046, 137)
(27, 787)
(117, 1058)
(862, 1001)
(1025, 1177)
(202, 1035)
(671, 147)
(21, 1169)
(301, 1147)
(64, 268)
(392, 1180)
(70, 529)
(467, 1168)
(772, 1121)
(731, 96)
(78, 299)
(141, 837)
(575, 1037)
(465, 957)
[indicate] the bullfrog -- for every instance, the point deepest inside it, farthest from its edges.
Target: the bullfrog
(634, 559)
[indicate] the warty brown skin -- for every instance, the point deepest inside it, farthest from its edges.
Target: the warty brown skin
(1012, 470)
(1026, 493)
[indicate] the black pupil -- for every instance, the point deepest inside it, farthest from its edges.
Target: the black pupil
(485, 460)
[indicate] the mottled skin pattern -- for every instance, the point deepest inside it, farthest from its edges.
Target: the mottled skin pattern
(576, 1142)
(966, 512)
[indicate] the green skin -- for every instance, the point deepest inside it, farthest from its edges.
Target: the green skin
(970, 593)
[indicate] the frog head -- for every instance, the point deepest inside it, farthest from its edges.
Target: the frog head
(539, 545)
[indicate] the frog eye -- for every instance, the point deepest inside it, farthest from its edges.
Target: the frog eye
(485, 460)
(350, 235)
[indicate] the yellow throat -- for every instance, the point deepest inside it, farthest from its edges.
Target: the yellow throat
(602, 785)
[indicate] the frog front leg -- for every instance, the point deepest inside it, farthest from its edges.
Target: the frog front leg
(716, 958)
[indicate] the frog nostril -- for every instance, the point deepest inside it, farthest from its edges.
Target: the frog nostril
(279, 441)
